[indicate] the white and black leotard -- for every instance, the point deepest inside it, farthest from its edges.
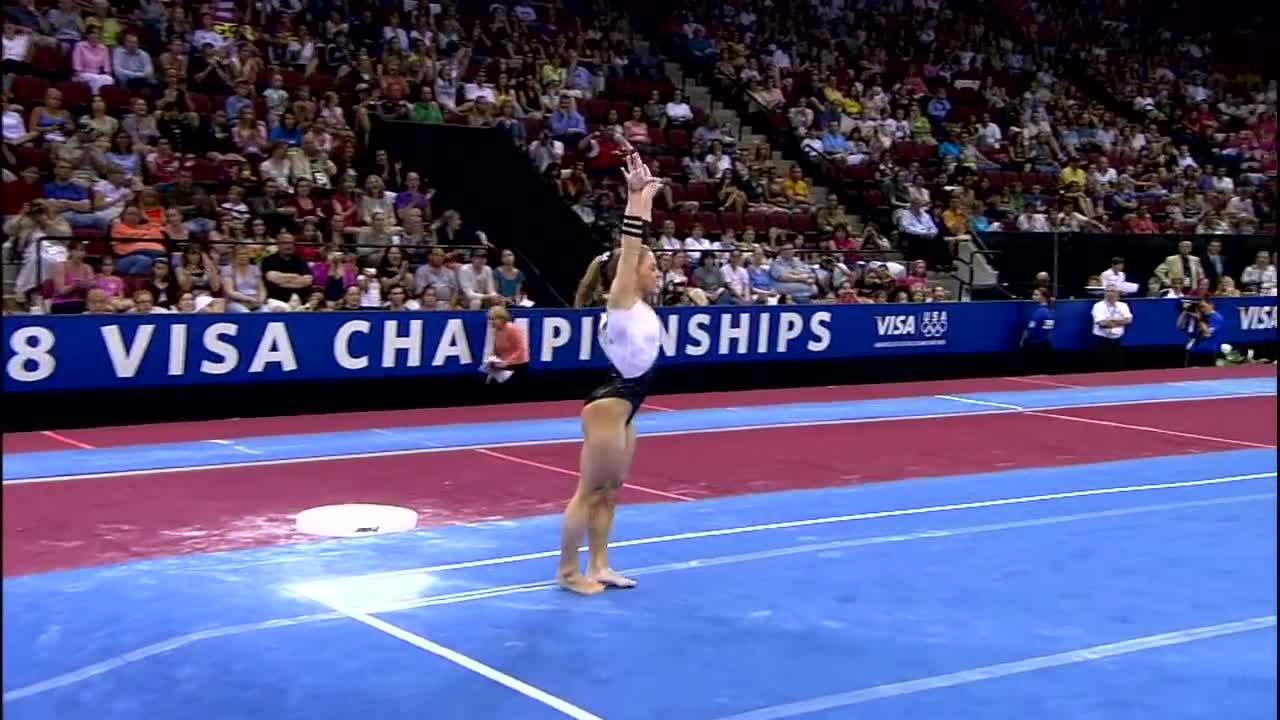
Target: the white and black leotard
(631, 340)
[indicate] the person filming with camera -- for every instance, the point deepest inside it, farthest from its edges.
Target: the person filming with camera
(1201, 322)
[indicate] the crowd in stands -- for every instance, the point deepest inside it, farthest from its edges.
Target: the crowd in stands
(954, 122)
(217, 156)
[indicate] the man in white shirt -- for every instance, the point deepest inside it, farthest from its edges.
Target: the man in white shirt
(989, 135)
(696, 243)
(1114, 277)
(678, 111)
(1032, 220)
(1103, 172)
(737, 278)
(476, 280)
(1110, 318)
(668, 240)
(920, 233)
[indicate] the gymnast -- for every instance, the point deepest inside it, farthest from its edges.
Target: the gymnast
(630, 337)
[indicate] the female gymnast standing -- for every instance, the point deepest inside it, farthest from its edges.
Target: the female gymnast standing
(630, 337)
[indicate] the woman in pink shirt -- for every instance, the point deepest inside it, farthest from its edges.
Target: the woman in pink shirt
(92, 61)
(510, 348)
(111, 285)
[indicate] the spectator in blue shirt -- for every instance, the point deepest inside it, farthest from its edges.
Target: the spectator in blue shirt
(72, 200)
(582, 79)
(834, 142)
(939, 107)
(566, 123)
(1201, 323)
(240, 100)
(949, 148)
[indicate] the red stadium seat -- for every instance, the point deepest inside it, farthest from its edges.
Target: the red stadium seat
(860, 173)
(117, 98)
(780, 220)
(731, 220)
(658, 136)
(204, 171)
(659, 217)
(320, 84)
(617, 87)
(698, 192)
(678, 138)
(34, 157)
(75, 95)
(51, 61)
(684, 221)
(670, 165)
(29, 91)
(201, 104)
(709, 221)
(678, 192)
(597, 110)
(757, 220)
(803, 223)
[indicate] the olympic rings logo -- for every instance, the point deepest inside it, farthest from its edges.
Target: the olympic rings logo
(933, 324)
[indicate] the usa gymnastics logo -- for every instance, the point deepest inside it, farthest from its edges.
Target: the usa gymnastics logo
(927, 328)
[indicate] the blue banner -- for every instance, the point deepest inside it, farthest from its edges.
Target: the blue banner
(100, 351)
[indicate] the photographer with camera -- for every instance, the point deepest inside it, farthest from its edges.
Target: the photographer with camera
(1201, 322)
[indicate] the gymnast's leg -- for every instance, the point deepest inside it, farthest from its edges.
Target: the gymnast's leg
(601, 469)
(601, 526)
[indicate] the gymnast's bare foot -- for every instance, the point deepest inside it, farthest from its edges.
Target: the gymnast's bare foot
(578, 583)
(611, 578)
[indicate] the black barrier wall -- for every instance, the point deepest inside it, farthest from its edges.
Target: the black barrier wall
(1071, 259)
(480, 173)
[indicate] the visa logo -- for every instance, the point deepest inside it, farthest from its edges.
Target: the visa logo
(896, 325)
(1258, 318)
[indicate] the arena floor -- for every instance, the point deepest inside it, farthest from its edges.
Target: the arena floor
(1083, 547)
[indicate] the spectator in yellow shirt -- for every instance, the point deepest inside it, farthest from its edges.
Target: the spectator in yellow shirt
(1073, 173)
(796, 188)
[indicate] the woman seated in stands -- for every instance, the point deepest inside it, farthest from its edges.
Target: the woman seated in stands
(51, 121)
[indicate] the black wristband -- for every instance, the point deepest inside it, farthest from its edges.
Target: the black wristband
(634, 226)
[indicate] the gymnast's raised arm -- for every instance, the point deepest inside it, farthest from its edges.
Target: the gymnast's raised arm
(641, 187)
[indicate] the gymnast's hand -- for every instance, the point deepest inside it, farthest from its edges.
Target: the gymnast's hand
(641, 185)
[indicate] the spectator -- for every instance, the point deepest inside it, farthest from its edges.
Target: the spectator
(1260, 277)
(737, 279)
(710, 283)
(566, 123)
(242, 283)
(1214, 264)
(791, 276)
(162, 286)
(1114, 276)
(510, 279)
(1183, 270)
(285, 273)
(136, 242)
(132, 65)
(71, 199)
(91, 61)
(477, 284)
(439, 279)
